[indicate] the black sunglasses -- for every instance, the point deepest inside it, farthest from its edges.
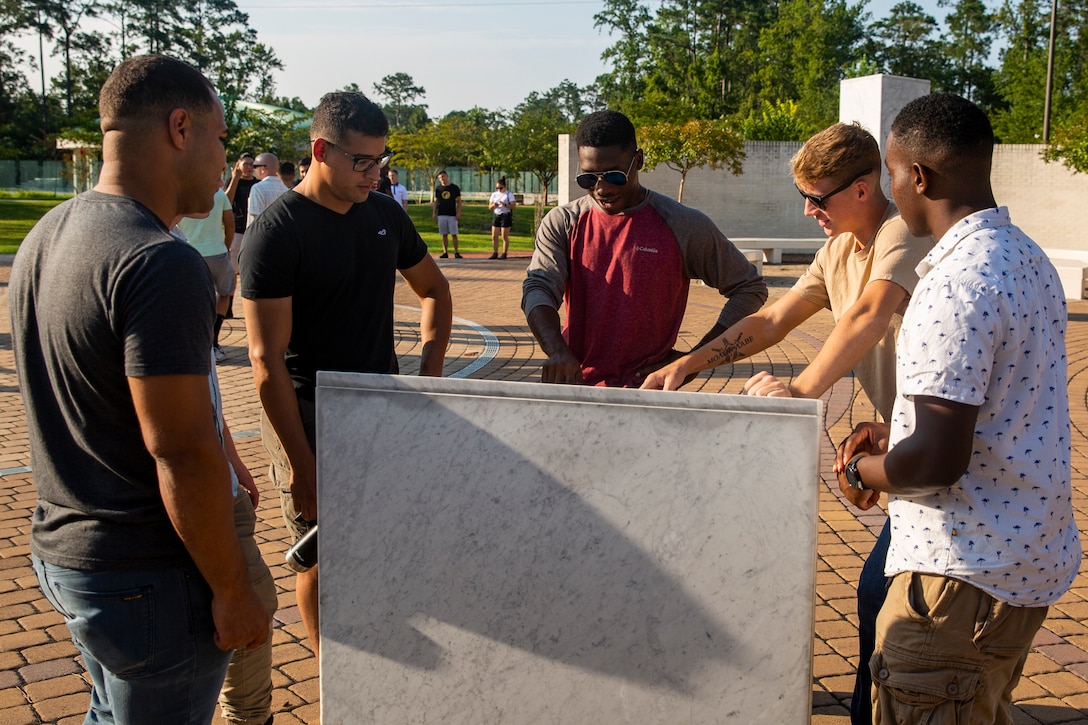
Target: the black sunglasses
(363, 164)
(820, 202)
(615, 177)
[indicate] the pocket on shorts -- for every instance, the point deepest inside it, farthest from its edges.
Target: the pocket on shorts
(920, 690)
(114, 627)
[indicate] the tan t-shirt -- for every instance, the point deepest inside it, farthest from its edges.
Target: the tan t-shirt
(839, 274)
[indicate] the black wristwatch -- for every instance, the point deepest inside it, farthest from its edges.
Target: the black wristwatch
(852, 475)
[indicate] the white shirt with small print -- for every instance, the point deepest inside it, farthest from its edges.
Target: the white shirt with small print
(986, 327)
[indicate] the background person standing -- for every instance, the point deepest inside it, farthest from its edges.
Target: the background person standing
(446, 208)
(212, 234)
(502, 205)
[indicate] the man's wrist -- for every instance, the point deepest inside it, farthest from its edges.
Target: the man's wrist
(853, 476)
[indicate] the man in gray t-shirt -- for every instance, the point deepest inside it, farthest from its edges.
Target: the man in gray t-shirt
(133, 538)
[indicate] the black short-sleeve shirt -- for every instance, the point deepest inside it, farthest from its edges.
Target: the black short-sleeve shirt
(447, 197)
(340, 272)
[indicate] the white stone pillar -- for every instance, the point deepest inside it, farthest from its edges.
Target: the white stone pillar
(568, 169)
(874, 101)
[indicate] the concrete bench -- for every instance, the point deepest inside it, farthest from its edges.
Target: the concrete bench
(755, 256)
(772, 247)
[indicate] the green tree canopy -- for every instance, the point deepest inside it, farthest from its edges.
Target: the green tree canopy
(906, 44)
(400, 92)
(691, 145)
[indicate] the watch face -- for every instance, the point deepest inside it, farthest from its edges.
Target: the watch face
(853, 477)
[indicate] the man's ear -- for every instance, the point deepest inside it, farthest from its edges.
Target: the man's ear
(181, 127)
(921, 178)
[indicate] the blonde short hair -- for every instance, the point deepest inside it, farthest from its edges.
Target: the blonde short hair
(840, 152)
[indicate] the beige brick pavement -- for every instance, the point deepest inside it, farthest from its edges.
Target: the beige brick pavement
(41, 680)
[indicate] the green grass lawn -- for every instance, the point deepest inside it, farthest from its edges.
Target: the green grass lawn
(474, 229)
(17, 216)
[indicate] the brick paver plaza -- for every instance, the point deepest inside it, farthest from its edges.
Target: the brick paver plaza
(41, 680)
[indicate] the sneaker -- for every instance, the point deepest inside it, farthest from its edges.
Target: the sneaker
(458, 255)
(502, 256)
(444, 255)
(220, 356)
(493, 256)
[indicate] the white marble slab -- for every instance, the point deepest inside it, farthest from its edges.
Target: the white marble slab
(496, 552)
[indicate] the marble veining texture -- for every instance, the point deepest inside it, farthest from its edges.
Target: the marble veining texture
(497, 552)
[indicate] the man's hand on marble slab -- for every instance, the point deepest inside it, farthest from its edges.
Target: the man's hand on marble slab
(562, 367)
(767, 385)
(668, 373)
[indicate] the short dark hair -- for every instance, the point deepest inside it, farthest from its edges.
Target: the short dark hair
(305, 161)
(343, 111)
(286, 167)
(943, 127)
(246, 155)
(147, 87)
(606, 128)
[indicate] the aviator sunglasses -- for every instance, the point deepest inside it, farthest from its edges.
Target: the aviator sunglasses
(615, 177)
(820, 202)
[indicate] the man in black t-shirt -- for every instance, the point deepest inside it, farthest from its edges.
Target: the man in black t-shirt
(318, 274)
(446, 208)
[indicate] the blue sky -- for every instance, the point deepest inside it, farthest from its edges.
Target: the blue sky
(464, 53)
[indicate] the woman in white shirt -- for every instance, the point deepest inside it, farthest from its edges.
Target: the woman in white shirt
(502, 205)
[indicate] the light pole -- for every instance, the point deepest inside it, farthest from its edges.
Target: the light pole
(1050, 71)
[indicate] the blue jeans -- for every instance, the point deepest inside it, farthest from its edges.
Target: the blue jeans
(872, 590)
(146, 641)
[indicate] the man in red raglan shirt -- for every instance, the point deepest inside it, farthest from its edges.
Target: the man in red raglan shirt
(621, 258)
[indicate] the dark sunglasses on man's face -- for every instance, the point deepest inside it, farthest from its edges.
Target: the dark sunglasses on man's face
(820, 202)
(615, 177)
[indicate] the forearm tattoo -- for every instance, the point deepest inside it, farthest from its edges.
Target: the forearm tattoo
(729, 351)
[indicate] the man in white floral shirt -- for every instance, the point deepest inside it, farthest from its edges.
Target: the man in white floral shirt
(976, 459)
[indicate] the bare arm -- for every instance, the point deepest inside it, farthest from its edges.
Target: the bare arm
(934, 456)
(436, 320)
(561, 366)
(228, 228)
(232, 186)
(458, 208)
(268, 327)
(245, 478)
(855, 334)
(176, 421)
(753, 334)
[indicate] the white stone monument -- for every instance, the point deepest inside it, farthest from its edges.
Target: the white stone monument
(874, 101)
(497, 552)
